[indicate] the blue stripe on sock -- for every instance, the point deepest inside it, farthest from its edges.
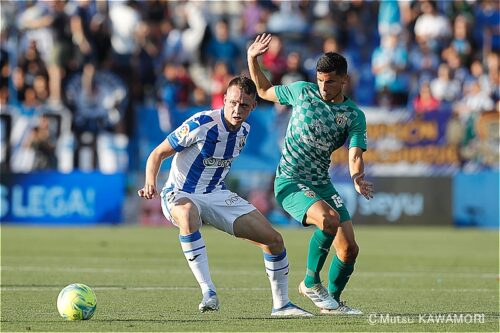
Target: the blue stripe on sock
(191, 237)
(275, 257)
(275, 270)
(198, 248)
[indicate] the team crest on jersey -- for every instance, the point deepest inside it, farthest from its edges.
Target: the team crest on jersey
(307, 191)
(241, 142)
(182, 131)
(341, 119)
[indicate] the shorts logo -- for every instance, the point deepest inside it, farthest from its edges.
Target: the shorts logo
(341, 119)
(171, 196)
(307, 191)
(182, 131)
(232, 200)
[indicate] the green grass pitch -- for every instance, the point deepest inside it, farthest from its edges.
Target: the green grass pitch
(143, 282)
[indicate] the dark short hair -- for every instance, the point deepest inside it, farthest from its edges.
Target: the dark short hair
(245, 84)
(332, 62)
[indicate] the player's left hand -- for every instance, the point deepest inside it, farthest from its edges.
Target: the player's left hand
(259, 46)
(363, 187)
(147, 192)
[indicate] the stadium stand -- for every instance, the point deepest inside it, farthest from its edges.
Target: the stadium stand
(84, 69)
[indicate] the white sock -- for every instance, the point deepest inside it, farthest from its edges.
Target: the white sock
(277, 271)
(193, 247)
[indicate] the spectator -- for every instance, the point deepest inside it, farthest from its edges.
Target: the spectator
(252, 19)
(294, 71)
(222, 48)
(461, 41)
(43, 144)
(443, 87)
(492, 63)
(431, 26)
(389, 64)
(125, 18)
(424, 61)
(389, 17)
(220, 80)
(474, 102)
(274, 60)
(61, 51)
(424, 101)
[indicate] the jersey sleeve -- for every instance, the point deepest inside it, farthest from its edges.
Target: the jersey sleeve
(188, 133)
(357, 132)
(288, 94)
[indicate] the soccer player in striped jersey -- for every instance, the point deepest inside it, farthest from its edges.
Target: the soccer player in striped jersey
(204, 147)
(322, 120)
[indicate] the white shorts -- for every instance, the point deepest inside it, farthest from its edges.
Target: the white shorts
(220, 208)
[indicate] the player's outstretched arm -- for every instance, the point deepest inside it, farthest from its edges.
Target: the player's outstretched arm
(161, 152)
(264, 87)
(356, 169)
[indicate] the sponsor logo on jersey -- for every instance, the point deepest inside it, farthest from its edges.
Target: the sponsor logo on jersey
(182, 131)
(212, 162)
(341, 119)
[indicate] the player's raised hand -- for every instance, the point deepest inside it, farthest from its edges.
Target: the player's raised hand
(363, 187)
(259, 46)
(148, 192)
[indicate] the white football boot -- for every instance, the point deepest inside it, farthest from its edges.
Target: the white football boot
(319, 295)
(210, 302)
(343, 309)
(291, 310)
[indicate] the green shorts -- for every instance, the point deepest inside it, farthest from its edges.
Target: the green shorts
(297, 196)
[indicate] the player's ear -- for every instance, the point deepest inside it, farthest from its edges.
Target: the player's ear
(346, 79)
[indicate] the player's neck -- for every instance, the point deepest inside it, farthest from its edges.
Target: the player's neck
(338, 99)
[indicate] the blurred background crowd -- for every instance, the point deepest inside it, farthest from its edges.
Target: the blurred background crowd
(76, 74)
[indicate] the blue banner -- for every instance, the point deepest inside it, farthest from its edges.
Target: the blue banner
(475, 200)
(56, 198)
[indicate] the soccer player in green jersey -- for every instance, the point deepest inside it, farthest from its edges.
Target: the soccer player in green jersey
(322, 120)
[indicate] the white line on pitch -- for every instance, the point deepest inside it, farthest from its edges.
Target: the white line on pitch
(159, 288)
(484, 275)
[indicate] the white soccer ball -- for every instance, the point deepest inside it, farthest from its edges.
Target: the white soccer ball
(76, 302)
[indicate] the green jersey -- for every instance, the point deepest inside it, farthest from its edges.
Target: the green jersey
(315, 130)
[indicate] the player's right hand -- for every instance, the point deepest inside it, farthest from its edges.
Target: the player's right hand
(147, 192)
(259, 46)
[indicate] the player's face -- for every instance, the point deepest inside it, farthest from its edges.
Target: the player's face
(237, 107)
(330, 86)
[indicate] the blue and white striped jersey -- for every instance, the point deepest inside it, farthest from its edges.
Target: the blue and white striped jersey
(205, 149)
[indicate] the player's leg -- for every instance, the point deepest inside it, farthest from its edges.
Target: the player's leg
(342, 267)
(184, 213)
(326, 219)
(346, 251)
(307, 206)
(257, 229)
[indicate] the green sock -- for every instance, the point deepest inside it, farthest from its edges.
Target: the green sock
(318, 251)
(339, 274)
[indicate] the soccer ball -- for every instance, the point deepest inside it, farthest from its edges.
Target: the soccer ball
(76, 302)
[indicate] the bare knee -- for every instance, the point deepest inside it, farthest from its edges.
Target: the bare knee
(186, 217)
(275, 244)
(348, 253)
(330, 223)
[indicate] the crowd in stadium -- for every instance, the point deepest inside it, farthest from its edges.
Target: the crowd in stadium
(73, 72)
